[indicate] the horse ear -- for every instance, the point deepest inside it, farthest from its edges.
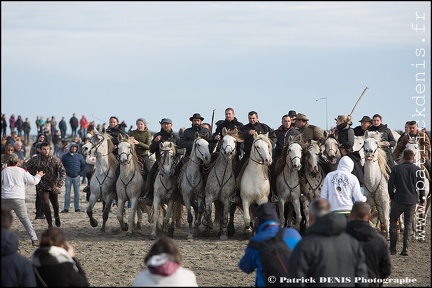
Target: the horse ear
(197, 135)
(160, 144)
(309, 141)
(366, 134)
(321, 141)
(325, 133)
(224, 131)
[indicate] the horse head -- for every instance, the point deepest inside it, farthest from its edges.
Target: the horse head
(371, 144)
(331, 151)
(229, 142)
(313, 152)
(167, 152)
(295, 152)
(261, 151)
(414, 146)
(200, 150)
(125, 149)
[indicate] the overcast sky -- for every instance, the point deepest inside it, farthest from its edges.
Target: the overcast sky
(174, 59)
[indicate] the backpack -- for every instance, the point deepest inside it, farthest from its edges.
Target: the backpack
(274, 254)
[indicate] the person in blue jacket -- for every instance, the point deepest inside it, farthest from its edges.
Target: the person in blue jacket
(268, 226)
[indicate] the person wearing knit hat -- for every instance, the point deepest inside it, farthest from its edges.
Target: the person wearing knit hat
(267, 228)
(142, 139)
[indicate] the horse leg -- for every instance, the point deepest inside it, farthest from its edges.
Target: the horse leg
(92, 201)
(207, 222)
(120, 211)
(106, 212)
(297, 208)
(131, 216)
(223, 220)
(247, 218)
(281, 205)
(187, 202)
(139, 214)
(169, 216)
(199, 211)
(156, 202)
(232, 209)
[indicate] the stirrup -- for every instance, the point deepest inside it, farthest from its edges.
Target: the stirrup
(274, 198)
(141, 199)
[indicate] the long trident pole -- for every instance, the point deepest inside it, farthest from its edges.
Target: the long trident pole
(211, 125)
(358, 100)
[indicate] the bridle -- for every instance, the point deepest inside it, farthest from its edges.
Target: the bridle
(258, 152)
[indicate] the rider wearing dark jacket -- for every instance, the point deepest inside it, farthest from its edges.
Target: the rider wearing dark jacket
(165, 134)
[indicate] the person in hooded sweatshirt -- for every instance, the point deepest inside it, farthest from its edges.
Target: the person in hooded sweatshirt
(326, 251)
(164, 267)
(16, 270)
(268, 227)
(340, 187)
(375, 246)
(54, 262)
(74, 165)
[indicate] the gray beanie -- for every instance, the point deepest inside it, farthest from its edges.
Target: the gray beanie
(141, 120)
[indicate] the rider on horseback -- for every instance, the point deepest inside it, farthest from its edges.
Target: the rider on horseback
(142, 139)
(165, 134)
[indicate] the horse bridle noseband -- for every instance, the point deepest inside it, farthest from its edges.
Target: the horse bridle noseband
(262, 158)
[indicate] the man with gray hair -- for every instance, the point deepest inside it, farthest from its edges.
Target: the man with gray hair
(327, 251)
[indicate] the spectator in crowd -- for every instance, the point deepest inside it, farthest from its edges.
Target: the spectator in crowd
(347, 150)
(73, 122)
(63, 128)
(268, 227)
(54, 262)
(164, 267)
(375, 246)
(14, 180)
(3, 125)
(326, 250)
(74, 165)
(27, 129)
(16, 270)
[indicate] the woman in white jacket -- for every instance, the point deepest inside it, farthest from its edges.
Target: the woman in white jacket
(341, 188)
(164, 267)
(14, 180)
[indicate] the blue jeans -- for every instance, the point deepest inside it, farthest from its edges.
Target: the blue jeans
(76, 185)
(20, 208)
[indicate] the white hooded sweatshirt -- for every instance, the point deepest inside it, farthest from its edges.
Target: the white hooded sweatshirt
(340, 187)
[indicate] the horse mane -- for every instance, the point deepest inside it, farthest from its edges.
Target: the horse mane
(173, 148)
(280, 163)
(112, 159)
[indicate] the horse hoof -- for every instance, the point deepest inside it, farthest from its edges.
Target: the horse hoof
(93, 222)
(231, 231)
(138, 226)
(125, 227)
(129, 233)
(152, 237)
(223, 237)
(190, 237)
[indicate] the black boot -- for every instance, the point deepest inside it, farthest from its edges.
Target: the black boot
(393, 242)
(405, 246)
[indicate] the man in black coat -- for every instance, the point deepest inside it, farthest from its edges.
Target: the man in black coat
(407, 179)
(375, 246)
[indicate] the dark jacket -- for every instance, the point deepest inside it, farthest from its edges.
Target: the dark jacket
(73, 121)
(326, 250)
(251, 259)
(16, 270)
(358, 168)
(375, 248)
(345, 134)
(62, 125)
(260, 128)
(114, 133)
(358, 131)
(229, 125)
(281, 136)
(405, 177)
(165, 136)
(188, 137)
(74, 163)
(55, 173)
(56, 270)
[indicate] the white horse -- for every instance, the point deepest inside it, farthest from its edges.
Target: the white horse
(420, 216)
(191, 179)
(129, 184)
(164, 186)
(359, 146)
(288, 178)
(376, 178)
(255, 182)
(312, 181)
(221, 182)
(102, 183)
